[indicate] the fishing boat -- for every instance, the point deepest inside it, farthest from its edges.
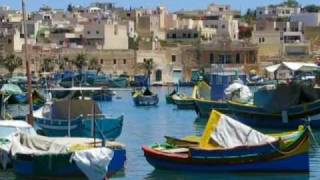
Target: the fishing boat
(74, 117)
(205, 106)
(212, 96)
(8, 129)
(15, 101)
(286, 105)
(44, 157)
(183, 101)
(119, 82)
(230, 146)
(145, 98)
(103, 95)
(169, 99)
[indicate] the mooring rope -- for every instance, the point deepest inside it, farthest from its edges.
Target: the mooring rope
(313, 137)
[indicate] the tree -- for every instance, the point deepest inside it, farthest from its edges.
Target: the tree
(148, 65)
(94, 65)
(48, 65)
(291, 3)
(80, 61)
(11, 62)
(70, 8)
(249, 16)
(312, 8)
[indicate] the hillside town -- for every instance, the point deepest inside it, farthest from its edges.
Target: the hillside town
(117, 41)
(102, 91)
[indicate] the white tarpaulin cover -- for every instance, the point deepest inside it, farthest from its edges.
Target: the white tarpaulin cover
(8, 129)
(294, 66)
(37, 145)
(93, 162)
(230, 133)
(238, 92)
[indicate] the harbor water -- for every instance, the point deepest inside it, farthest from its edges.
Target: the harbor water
(148, 125)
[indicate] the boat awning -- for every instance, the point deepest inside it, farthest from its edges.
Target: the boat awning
(294, 66)
(11, 89)
(272, 68)
(77, 89)
(224, 132)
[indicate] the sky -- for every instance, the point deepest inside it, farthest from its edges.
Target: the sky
(172, 5)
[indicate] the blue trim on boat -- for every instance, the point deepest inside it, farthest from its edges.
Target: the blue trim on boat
(298, 163)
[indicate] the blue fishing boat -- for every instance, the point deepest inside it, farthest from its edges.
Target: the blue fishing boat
(146, 98)
(65, 157)
(119, 82)
(102, 95)
(229, 146)
(75, 118)
(204, 107)
(286, 105)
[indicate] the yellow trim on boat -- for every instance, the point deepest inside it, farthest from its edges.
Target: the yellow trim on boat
(205, 141)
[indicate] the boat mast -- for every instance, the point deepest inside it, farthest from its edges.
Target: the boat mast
(30, 115)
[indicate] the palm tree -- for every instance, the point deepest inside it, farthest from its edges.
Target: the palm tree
(80, 61)
(94, 65)
(48, 65)
(11, 62)
(148, 65)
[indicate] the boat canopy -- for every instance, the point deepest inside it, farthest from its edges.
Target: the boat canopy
(11, 89)
(224, 132)
(60, 109)
(293, 66)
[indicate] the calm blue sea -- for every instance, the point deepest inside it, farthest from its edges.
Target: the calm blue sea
(148, 125)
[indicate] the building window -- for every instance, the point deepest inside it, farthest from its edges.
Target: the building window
(174, 36)
(101, 61)
(9, 41)
(97, 32)
(184, 35)
(88, 32)
(263, 39)
(223, 26)
(189, 35)
(124, 61)
(228, 59)
(221, 59)
(173, 58)
(237, 58)
(158, 75)
(211, 58)
(144, 60)
(195, 35)
(114, 61)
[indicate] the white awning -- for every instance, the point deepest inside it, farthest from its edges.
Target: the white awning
(293, 66)
(272, 68)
